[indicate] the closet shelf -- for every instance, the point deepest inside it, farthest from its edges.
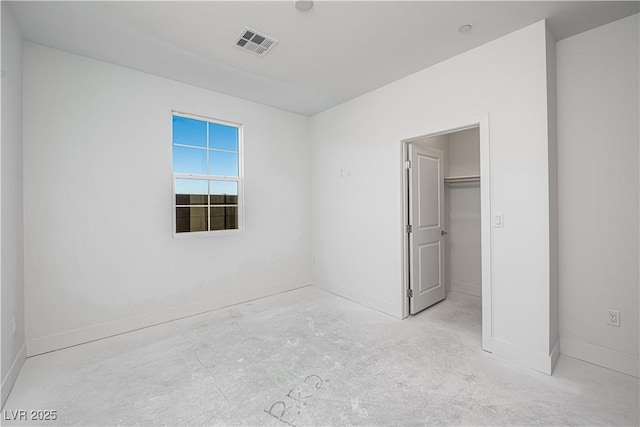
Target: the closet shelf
(454, 179)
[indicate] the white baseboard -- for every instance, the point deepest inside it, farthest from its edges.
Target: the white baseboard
(541, 362)
(466, 288)
(374, 303)
(87, 334)
(9, 380)
(603, 356)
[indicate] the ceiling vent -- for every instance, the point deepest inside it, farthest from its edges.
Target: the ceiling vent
(255, 42)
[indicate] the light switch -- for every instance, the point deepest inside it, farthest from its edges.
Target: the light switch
(498, 220)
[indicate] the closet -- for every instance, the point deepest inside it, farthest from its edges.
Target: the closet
(462, 249)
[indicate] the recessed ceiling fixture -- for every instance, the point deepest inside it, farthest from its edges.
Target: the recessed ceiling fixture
(465, 28)
(303, 5)
(255, 42)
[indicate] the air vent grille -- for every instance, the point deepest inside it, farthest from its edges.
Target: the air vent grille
(255, 42)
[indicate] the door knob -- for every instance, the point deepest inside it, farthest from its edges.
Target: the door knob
(443, 233)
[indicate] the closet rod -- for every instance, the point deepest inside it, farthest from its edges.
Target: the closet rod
(454, 179)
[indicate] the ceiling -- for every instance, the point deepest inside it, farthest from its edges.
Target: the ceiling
(336, 51)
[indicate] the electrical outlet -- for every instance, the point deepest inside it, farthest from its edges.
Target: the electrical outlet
(613, 318)
(13, 326)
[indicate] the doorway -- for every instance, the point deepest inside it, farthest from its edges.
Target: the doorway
(447, 226)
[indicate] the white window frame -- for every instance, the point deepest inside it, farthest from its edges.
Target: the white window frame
(239, 179)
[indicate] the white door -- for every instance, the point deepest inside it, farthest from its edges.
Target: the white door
(426, 231)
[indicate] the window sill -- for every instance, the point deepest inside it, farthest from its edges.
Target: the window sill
(194, 234)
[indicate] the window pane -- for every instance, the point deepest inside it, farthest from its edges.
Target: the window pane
(191, 219)
(189, 131)
(189, 160)
(223, 192)
(224, 218)
(223, 199)
(223, 137)
(223, 163)
(191, 192)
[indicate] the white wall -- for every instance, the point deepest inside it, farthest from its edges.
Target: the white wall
(464, 153)
(441, 142)
(11, 266)
(357, 222)
(99, 253)
(463, 240)
(598, 120)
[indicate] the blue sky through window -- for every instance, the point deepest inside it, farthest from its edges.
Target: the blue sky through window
(189, 160)
(224, 187)
(223, 163)
(216, 156)
(191, 186)
(189, 132)
(223, 137)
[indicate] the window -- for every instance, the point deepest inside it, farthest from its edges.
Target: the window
(207, 178)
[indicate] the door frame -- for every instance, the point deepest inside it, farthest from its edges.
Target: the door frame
(482, 123)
